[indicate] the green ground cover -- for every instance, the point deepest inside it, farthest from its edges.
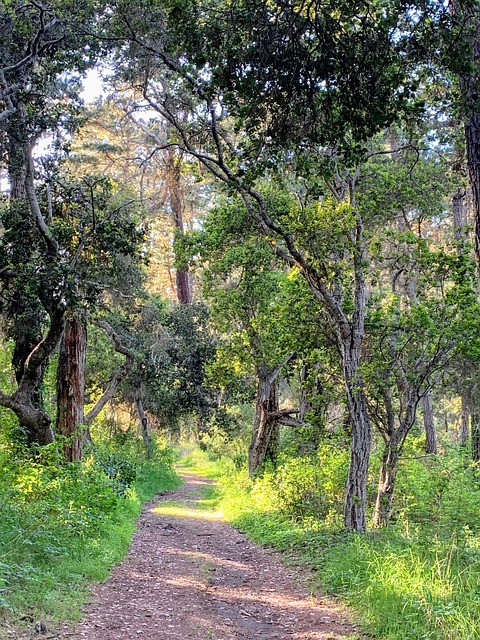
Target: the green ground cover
(418, 579)
(63, 526)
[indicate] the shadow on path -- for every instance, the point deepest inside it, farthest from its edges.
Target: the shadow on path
(190, 575)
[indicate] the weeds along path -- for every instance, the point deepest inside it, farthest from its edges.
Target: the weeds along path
(190, 575)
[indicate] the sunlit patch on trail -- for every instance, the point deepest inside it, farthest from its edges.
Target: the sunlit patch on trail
(274, 598)
(187, 582)
(223, 562)
(178, 511)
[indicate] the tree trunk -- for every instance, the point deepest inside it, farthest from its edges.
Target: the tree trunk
(459, 218)
(305, 403)
(469, 15)
(109, 392)
(263, 424)
(356, 492)
(430, 433)
(144, 427)
(464, 422)
(71, 387)
(183, 285)
(386, 484)
(24, 345)
(475, 436)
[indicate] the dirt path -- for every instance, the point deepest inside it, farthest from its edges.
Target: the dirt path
(190, 575)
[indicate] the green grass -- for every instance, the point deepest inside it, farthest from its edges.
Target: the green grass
(417, 582)
(52, 548)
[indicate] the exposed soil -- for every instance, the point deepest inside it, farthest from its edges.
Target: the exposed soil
(190, 575)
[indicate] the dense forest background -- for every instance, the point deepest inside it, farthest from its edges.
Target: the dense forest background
(262, 236)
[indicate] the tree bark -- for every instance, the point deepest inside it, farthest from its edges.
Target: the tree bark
(430, 433)
(264, 423)
(459, 218)
(305, 403)
(386, 484)
(174, 174)
(356, 491)
(469, 15)
(71, 387)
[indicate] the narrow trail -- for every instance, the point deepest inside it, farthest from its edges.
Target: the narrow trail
(190, 575)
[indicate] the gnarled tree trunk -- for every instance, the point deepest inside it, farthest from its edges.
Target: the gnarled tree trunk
(266, 408)
(71, 387)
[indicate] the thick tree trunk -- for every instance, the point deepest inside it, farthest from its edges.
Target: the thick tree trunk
(144, 427)
(71, 387)
(469, 15)
(25, 337)
(24, 345)
(386, 484)
(430, 433)
(263, 424)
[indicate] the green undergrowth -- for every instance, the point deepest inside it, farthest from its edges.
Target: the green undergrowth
(418, 579)
(193, 460)
(63, 526)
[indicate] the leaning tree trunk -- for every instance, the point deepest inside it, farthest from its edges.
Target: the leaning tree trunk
(430, 433)
(71, 387)
(24, 345)
(264, 422)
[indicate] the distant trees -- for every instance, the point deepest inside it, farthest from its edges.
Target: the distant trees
(316, 123)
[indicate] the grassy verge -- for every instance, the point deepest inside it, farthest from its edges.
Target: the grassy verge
(410, 582)
(62, 527)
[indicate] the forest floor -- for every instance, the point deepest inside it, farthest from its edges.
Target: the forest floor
(190, 575)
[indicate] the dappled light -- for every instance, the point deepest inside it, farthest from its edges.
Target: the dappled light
(240, 249)
(203, 579)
